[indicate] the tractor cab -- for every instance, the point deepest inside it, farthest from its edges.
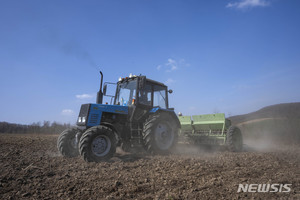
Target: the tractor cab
(140, 95)
(138, 90)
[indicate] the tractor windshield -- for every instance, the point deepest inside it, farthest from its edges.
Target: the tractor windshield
(126, 92)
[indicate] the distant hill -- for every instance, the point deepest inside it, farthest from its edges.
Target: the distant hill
(283, 111)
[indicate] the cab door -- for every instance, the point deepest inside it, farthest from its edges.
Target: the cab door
(143, 104)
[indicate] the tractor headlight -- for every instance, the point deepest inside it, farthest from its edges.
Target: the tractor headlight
(79, 119)
(83, 119)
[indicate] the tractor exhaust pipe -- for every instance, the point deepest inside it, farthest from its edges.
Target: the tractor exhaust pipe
(100, 93)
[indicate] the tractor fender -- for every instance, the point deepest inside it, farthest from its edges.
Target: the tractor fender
(170, 112)
(112, 127)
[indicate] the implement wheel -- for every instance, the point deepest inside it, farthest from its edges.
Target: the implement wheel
(160, 133)
(97, 144)
(234, 139)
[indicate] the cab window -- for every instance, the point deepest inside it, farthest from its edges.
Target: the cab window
(159, 96)
(145, 95)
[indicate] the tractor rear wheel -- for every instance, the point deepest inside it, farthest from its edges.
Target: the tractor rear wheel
(234, 139)
(97, 144)
(160, 133)
(67, 144)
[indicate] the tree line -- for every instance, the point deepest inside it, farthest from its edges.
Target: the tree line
(40, 128)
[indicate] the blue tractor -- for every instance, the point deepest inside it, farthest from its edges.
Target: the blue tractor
(139, 116)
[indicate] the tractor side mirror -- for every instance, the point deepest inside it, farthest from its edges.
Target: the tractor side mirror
(104, 89)
(170, 91)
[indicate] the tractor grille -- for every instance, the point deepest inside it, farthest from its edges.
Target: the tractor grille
(94, 118)
(84, 110)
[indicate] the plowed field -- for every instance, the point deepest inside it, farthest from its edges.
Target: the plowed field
(32, 168)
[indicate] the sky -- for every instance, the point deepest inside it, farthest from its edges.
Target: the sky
(228, 56)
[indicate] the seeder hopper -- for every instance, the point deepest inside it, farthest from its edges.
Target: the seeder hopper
(210, 129)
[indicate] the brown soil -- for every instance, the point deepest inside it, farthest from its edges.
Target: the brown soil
(32, 168)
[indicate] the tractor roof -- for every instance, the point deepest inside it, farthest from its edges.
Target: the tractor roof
(135, 77)
(156, 82)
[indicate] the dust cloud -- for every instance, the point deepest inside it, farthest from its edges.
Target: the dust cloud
(270, 134)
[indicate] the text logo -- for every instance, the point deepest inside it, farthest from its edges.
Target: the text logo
(264, 187)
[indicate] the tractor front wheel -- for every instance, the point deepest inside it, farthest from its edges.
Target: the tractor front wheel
(97, 144)
(160, 133)
(67, 144)
(234, 139)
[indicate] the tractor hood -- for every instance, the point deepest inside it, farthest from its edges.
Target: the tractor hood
(90, 114)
